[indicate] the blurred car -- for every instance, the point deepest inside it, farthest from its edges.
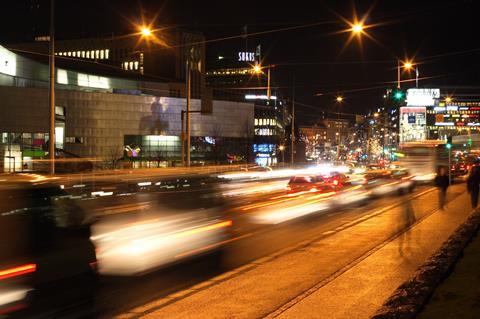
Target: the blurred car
(165, 226)
(45, 250)
(336, 179)
(306, 183)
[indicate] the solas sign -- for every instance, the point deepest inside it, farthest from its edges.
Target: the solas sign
(246, 56)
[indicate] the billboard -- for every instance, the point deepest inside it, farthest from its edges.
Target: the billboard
(422, 97)
(413, 122)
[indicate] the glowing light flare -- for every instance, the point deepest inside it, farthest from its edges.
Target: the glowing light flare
(257, 69)
(408, 65)
(339, 99)
(448, 99)
(146, 32)
(17, 271)
(357, 28)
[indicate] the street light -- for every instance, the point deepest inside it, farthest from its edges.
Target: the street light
(339, 100)
(145, 31)
(407, 65)
(257, 69)
(448, 99)
(357, 28)
(281, 148)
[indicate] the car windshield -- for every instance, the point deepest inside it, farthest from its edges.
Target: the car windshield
(301, 179)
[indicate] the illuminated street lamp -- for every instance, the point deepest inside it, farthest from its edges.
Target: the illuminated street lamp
(146, 32)
(281, 148)
(257, 69)
(407, 65)
(448, 99)
(357, 28)
(339, 99)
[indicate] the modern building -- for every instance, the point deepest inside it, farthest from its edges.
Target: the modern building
(105, 118)
(161, 56)
(232, 75)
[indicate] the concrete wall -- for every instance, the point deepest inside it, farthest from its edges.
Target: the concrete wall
(102, 119)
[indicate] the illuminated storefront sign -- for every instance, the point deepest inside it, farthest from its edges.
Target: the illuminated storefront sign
(246, 56)
(8, 62)
(412, 124)
(422, 97)
(259, 97)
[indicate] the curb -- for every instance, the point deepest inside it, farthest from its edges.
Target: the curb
(408, 299)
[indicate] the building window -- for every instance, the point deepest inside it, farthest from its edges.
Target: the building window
(74, 140)
(130, 65)
(83, 54)
(141, 58)
(97, 54)
(69, 53)
(107, 52)
(102, 54)
(125, 65)
(136, 65)
(92, 54)
(88, 54)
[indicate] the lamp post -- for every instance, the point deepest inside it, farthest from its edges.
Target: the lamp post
(281, 148)
(51, 148)
(407, 65)
(258, 69)
(338, 100)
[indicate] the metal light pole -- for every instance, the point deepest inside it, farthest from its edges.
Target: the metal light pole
(398, 74)
(292, 151)
(189, 86)
(268, 84)
(52, 90)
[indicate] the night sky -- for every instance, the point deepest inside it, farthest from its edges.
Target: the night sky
(303, 38)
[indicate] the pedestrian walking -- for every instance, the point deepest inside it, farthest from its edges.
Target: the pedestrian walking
(442, 182)
(473, 185)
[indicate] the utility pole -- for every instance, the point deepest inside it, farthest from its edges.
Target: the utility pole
(51, 149)
(398, 74)
(189, 86)
(293, 125)
(269, 94)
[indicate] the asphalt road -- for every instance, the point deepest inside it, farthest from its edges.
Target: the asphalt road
(117, 295)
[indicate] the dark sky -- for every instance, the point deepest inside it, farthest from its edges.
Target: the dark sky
(441, 36)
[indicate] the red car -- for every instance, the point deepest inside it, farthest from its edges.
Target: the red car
(336, 179)
(305, 183)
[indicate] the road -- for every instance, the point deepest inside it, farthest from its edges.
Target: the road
(256, 247)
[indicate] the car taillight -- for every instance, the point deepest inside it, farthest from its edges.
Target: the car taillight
(17, 271)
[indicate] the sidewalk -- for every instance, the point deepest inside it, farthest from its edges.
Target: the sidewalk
(346, 274)
(459, 295)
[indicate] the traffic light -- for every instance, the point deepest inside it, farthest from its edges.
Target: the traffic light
(398, 95)
(449, 142)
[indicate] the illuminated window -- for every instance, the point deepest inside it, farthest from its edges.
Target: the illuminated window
(130, 65)
(107, 53)
(92, 54)
(102, 54)
(136, 65)
(125, 65)
(141, 70)
(83, 54)
(78, 54)
(69, 53)
(87, 54)
(256, 122)
(74, 53)
(97, 54)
